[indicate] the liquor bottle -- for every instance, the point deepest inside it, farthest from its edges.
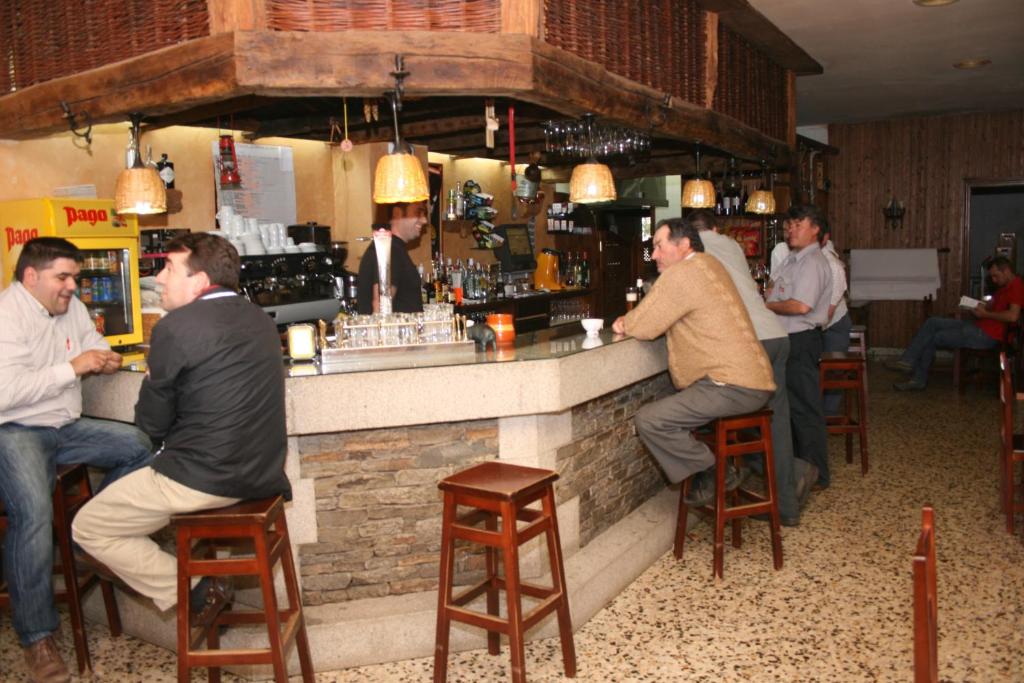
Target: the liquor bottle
(551, 219)
(569, 269)
(469, 282)
(460, 201)
(719, 202)
(424, 284)
(457, 274)
(165, 167)
(585, 271)
(578, 265)
(450, 213)
(639, 289)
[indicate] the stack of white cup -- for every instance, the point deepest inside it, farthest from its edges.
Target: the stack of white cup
(252, 238)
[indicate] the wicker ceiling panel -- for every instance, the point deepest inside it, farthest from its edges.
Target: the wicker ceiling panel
(656, 42)
(46, 40)
(751, 87)
(483, 16)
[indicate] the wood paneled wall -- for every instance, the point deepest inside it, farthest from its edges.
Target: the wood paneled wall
(924, 162)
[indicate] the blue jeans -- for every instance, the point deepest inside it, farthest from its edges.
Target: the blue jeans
(28, 467)
(836, 338)
(943, 333)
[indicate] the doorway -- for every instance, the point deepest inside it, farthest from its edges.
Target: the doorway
(993, 223)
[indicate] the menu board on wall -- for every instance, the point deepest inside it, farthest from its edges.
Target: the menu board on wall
(267, 191)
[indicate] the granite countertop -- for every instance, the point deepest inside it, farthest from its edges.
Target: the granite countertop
(544, 372)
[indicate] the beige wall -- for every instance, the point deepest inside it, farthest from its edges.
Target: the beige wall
(494, 178)
(37, 167)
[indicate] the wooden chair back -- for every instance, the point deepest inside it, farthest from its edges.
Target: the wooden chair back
(926, 655)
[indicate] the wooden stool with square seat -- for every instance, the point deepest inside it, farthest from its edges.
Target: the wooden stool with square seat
(729, 438)
(1011, 446)
(926, 608)
(859, 344)
(261, 523)
(496, 492)
(71, 492)
(847, 372)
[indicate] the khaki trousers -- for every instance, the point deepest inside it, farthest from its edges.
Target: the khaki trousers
(114, 528)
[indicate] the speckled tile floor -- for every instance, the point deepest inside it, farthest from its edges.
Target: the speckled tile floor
(840, 609)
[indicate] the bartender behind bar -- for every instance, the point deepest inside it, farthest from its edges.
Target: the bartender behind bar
(406, 222)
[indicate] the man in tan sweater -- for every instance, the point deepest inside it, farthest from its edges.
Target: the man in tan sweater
(715, 360)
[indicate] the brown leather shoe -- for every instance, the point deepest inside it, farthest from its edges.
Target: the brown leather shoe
(44, 662)
(208, 599)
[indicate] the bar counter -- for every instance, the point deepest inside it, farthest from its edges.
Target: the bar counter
(368, 445)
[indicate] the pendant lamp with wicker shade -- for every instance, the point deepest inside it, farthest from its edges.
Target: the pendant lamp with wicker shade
(762, 201)
(698, 192)
(139, 189)
(591, 182)
(399, 176)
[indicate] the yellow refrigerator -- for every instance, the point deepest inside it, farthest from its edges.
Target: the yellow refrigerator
(109, 280)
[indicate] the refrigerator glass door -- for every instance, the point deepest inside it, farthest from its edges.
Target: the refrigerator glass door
(105, 287)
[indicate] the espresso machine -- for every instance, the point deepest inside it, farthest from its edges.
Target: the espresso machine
(294, 287)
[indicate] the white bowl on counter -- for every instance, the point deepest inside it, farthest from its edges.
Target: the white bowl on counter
(592, 326)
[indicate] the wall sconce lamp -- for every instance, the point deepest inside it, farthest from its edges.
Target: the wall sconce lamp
(139, 189)
(762, 201)
(399, 176)
(591, 182)
(893, 212)
(698, 192)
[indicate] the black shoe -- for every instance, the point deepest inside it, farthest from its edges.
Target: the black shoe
(702, 489)
(208, 599)
(805, 484)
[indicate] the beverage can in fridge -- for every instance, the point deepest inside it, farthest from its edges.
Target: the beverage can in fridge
(85, 290)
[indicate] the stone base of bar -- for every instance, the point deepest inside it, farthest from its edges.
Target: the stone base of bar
(350, 634)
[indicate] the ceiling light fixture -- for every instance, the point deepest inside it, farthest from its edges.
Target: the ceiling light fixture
(399, 177)
(139, 189)
(972, 63)
(591, 182)
(934, 3)
(698, 192)
(762, 200)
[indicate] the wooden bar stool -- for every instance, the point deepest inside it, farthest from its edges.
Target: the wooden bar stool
(498, 491)
(859, 344)
(926, 607)
(1012, 446)
(729, 438)
(71, 492)
(261, 522)
(846, 372)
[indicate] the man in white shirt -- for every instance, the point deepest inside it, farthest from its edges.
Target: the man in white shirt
(836, 336)
(47, 344)
(800, 294)
(793, 477)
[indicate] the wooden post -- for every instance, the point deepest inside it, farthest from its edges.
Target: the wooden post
(236, 15)
(523, 16)
(710, 58)
(791, 108)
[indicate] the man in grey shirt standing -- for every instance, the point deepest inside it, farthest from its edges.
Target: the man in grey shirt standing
(793, 477)
(799, 294)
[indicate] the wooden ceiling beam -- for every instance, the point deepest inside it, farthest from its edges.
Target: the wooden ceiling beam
(283, 64)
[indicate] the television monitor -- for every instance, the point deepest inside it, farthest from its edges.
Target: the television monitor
(516, 252)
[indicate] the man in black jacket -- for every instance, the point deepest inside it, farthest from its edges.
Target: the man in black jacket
(214, 397)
